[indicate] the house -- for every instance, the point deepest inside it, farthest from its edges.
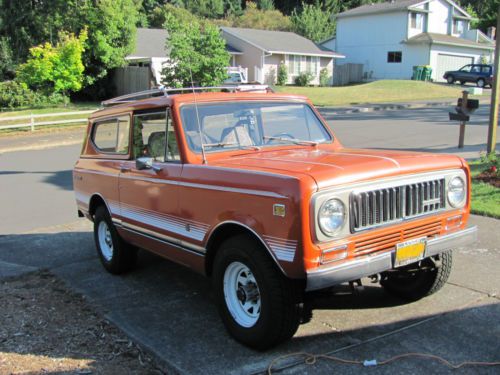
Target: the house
(264, 50)
(391, 37)
(146, 62)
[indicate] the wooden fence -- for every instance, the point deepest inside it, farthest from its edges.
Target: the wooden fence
(17, 121)
(347, 73)
(132, 79)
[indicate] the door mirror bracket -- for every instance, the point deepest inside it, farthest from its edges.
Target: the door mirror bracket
(146, 163)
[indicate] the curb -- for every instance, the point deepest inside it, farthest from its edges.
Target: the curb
(388, 107)
(35, 147)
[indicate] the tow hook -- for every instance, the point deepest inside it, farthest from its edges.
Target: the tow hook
(437, 261)
(375, 279)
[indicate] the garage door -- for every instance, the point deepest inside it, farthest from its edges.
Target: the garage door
(450, 62)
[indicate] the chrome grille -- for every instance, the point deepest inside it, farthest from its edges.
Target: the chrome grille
(389, 205)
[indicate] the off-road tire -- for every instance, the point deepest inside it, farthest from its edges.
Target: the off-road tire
(481, 83)
(280, 297)
(450, 80)
(124, 256)
(420, 283)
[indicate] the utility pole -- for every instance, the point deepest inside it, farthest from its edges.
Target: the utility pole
(492, 129)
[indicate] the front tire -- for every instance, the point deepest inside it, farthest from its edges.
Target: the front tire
(419, 280)
(481, 83)
(116, 255)
(450, 80)
(259, 306)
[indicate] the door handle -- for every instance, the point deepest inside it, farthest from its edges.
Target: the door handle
(124, 168)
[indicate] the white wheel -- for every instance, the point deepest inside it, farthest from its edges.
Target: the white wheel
(242, 294)
(481, 83)
(105, 240)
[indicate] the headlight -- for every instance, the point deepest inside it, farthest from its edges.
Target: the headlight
(331, 216)
(456, 191)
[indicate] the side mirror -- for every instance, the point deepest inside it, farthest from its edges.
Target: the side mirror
(145, 163)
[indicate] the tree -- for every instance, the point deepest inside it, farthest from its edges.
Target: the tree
(56, 68)
(6, 62)
(486, 11)
(255, 18)
(182, 15)
(266, 4)
(282, 78)
(197, 54)
(313, 23)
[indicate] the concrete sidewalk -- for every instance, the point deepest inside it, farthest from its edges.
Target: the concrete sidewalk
(169, 310)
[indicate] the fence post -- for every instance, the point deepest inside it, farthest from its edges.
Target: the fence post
(32, 122)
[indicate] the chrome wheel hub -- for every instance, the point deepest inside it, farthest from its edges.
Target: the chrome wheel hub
(105, 240)
(242, 294)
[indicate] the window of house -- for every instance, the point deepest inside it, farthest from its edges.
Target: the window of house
(112, 136)
(458, 26)
(298, 64)
(417, 20)
(394, 57)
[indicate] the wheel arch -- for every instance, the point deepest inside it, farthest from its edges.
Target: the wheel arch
(95, 201)
(228, 229)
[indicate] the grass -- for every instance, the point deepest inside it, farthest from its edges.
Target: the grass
(384, 91)
(72, 107)
(485, 197)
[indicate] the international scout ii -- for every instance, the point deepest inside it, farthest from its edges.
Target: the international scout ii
(252, 189)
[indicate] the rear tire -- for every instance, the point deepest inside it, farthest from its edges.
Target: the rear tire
(481, 83)
(116, 255)
(450, 80)
(413, 282)
(259, 306)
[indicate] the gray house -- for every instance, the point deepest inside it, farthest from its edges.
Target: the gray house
(264, 50)
(258, 52)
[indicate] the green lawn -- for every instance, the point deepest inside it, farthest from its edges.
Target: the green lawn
(384, 91)
(485, 197)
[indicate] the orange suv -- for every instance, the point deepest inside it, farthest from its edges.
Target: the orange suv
(252, 189)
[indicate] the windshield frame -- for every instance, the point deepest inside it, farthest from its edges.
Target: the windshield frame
(208, 151)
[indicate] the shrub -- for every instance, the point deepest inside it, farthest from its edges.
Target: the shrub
(304, 79)
(14, 94)
(282, 78)
(324, 78)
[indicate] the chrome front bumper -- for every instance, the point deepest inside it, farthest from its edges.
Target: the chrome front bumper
(371, 265)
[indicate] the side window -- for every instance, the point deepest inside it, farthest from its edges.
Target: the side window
(466, 68)
(112, 136)
(154, 137)
(476, 69)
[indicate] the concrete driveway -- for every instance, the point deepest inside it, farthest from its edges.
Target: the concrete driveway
(169, 310)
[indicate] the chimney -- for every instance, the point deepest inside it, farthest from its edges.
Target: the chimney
(492, 31)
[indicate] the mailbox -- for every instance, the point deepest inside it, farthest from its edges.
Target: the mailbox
(465, 107)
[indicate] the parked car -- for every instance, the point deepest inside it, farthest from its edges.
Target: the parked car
(480, 74)
(253, 190)
(236, 75)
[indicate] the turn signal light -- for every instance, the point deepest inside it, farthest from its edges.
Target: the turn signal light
(334, 254)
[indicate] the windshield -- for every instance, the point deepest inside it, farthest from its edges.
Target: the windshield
(251, 125)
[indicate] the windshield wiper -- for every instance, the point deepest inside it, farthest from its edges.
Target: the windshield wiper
(220, 144)
(226, 144)
(292, 140)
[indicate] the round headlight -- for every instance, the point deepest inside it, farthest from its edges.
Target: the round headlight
(331, 216)
(456, 191)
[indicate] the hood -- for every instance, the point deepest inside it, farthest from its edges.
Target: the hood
(332, 167)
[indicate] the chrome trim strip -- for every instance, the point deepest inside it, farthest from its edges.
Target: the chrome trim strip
(180, 247)
(163, 238)
(372, 264)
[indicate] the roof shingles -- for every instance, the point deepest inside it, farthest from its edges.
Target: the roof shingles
(429, 38)
(279, 41)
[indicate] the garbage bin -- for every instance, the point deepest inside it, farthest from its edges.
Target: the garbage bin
(417, 73)
(426, 73)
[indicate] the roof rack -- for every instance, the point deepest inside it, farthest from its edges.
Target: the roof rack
(164, 91)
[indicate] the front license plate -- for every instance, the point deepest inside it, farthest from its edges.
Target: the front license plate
(409, 252)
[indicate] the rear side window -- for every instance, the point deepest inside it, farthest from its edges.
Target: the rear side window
(112, 136)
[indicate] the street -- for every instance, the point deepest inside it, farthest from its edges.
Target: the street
(170, 311)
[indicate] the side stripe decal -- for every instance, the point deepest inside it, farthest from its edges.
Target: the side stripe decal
(283, 249)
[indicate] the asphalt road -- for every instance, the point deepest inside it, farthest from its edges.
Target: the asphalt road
(36, 186)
